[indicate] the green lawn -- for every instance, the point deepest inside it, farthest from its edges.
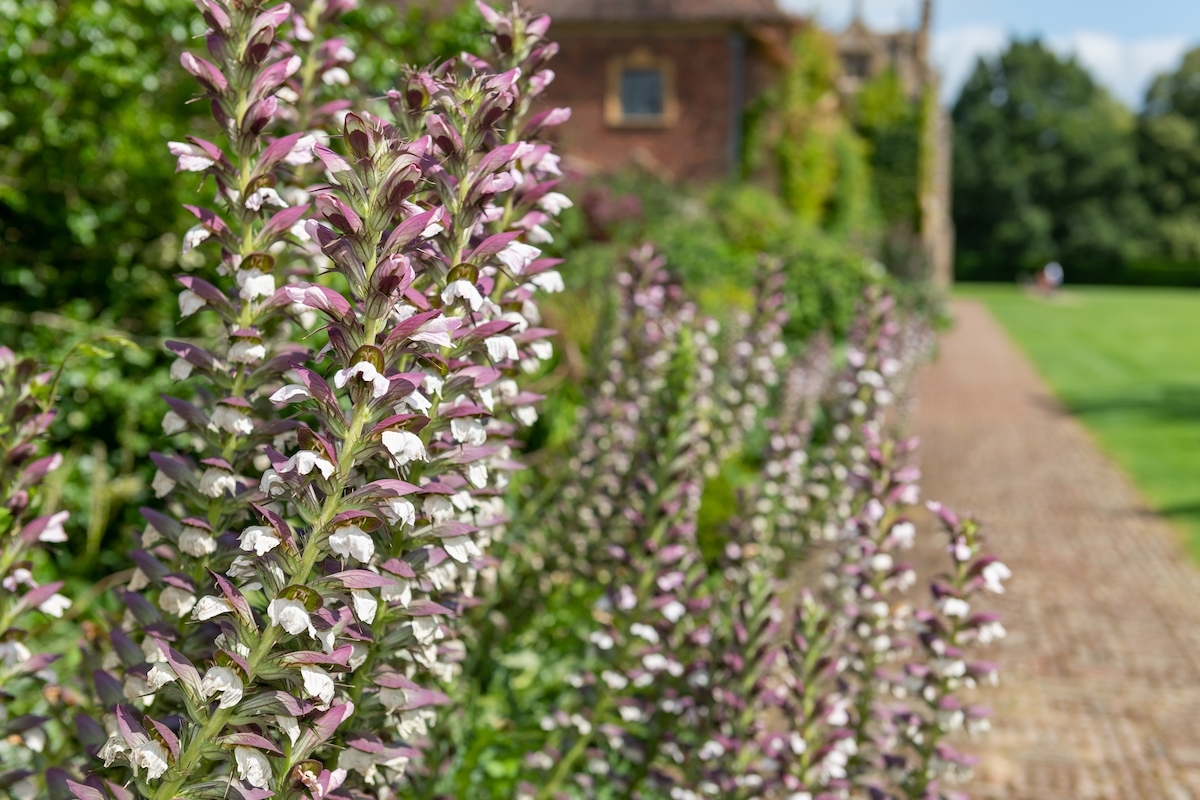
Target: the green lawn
(1126, 361)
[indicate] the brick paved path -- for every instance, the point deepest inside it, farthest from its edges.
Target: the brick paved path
(1100, 687)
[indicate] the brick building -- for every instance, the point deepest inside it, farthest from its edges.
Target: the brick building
(662, 83)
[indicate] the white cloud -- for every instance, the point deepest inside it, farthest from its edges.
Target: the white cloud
(1124, 66)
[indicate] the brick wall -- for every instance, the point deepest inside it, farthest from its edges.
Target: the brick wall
(696, 148)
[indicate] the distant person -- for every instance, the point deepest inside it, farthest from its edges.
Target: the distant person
(1049, 278)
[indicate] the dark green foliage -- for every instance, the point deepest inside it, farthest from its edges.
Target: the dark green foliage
(90, 93)
(1045, 167)
(1169, 144)
(891, 124)
(90, 215)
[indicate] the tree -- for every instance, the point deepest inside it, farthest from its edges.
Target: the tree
(1045, 167)
(1169, 145)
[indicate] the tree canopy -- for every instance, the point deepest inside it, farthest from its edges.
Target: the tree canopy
(1045, 168)
(1169, 146)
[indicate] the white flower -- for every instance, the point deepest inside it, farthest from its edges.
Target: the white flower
(526, 415)
(162, 484)
(655, 662)
(181, 369)
(177, 601)
(402, 592)
(137, 690)
(13, 653)
(954, 607)
(520, 324)
(555, 203)
(468, 430)
(317, 683)
(539, 235)
(291, 393)
(172, 423)
(247, 351)
(271, 484)
(290, 726)
(542, 350)
(259, 198)
(416, 402)
(477, 474)
(501, 348)
(549, 164)
(351, 540)
(549, 281)
(464, 289)
(191, 158)
(225, 681)
(152, 651)
(993, 574)
(196, 542)
(114, 747)
(397, 510)
(437, 331)
(674, 611)
(159, 676)
(961, 551)
(990, 632)
(189, 301)
(55, 605)
(903, 534)
(365, 605)
(299, 231)
(644, 632)
(336, 75)
(54, 532)
(302, 152)
(19, 577)
(517, 256)
(367, 372)
(260, 539)
(253, 283)
(463, 501)
(433, 384)
(210, 606)
(461, 548)
(242, 567)
(253, 767)
(151, 756)
(438, 508)
(304, 461)
(425, 629)
(292, 616)
(215, 482)
(405, 446)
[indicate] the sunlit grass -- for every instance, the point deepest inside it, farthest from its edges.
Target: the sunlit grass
(1126, 362)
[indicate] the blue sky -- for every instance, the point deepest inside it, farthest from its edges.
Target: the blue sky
(1123, 42)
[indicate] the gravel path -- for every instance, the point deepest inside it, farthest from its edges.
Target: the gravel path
(1100, 680)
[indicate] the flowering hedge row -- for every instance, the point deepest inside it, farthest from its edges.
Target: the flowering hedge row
(332, 597)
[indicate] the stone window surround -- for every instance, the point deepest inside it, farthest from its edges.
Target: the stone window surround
(640, 58)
